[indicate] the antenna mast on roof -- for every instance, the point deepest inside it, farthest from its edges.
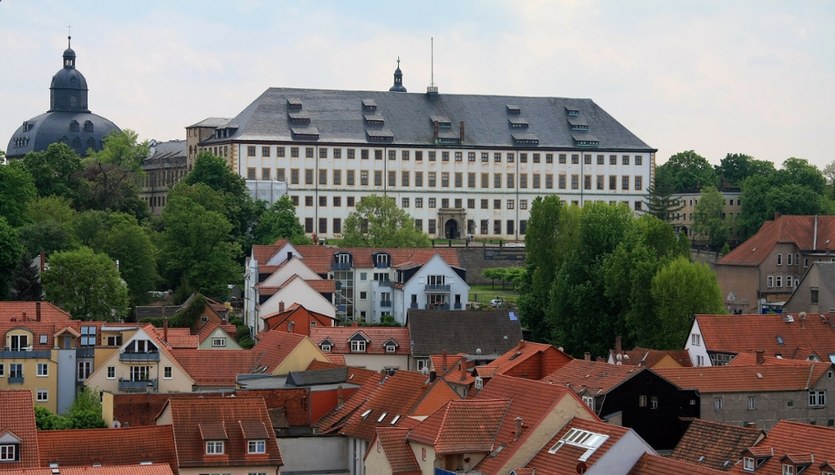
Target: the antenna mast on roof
(432, 88)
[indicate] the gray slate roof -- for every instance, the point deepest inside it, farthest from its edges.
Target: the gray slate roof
(491, 332)
(338, 117)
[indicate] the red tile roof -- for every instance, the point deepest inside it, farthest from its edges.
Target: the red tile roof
(658, 465)
(749, 333)
(22, 311)
(233, 414)
(564, 460)
(294, 401)
(125, 446)
(18, 419)
(399, 454)
(648, 357)
(296, 312)
(714, 444)
(273, 347)
(152, 469)
(808, 233)
(533, 401)
(356, 375)
(462, 426)
(526, 360)
(796, 439)
(208, 368)
(757, 378)
(377, 336)
(593, 377)
(182, 338)
(319, 258)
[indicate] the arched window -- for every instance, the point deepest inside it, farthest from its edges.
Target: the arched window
(88, 126)
(74, 126)
(91, 143)
(76, 144)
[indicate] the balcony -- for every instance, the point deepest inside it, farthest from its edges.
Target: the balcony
(128, 386)
(127, 357)
(85, 352)
(383, 283)
(414, 305)
(457, 306)
(385, 303)
(340, 265)
(437, 287)
(24, 354)
(381, 265)
(15, 379)
(437, 306)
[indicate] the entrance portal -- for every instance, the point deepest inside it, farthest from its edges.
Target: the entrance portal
(451, 229)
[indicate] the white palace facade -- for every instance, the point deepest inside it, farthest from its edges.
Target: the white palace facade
(458, 164)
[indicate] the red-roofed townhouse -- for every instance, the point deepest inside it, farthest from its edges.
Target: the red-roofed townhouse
(374, 348)
(297, 319)
(630, 396)
(143, 363)
(527, 359)
(108, 447)
(389, 452)
(768, 266)
(648, 357)
(316, 295)
(18, 432)
(384, 402)
(278, 353)
(213, 372)
(596, 446)
(715, 445)
(791, 448)
(657, 465)
(144, 469)
(717, 339)
(222, 435)
(759, 395)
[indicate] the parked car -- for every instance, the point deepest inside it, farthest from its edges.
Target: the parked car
(497, 302)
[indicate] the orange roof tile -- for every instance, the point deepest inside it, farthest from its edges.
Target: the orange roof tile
(714, 444)
(338, 359)
(564, 460)
(188, 414)
(181, 338)
(295, 310)
(526, 360)
(274, 346)
(803, 231)
(398, 453)
(462, 426)
(757, 378)
(319, 258)
(790, 438)
(125, 446)
(150, 469)
(207, 368)
(377, 336)
(656, 465)
(18, 419)
(18, 309)
(594, 377)
(771, 333)
(648, 357)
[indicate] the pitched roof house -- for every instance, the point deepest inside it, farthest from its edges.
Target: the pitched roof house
(815, 293)
(525, 360)
(375, 348)
(297, 319)
(278, 352)
(715, 445)
(222, 435)
(791, 448)
(19, 446)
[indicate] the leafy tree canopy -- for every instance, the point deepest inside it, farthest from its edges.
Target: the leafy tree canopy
(279, 221)
(709, 218)
(10, 253)
(736, 167)
(113, 174)
(378, 222)
(683, 172)
(17, 190)
(57, 172)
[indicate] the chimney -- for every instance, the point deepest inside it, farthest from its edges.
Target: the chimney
(289, 255)
(165, 329)
(436, 131)
(587, 356)
(777, 215)
(618, 345)
(461, 131)
(43, 260)
(38, 311)
(443, 364)
(518, 432)
(281, 306)
(760, 356)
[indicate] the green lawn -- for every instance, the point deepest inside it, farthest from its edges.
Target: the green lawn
(483, 294)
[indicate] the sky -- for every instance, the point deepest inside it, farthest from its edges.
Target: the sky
(714, 76)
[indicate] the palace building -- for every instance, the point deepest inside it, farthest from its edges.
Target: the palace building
(459, 164)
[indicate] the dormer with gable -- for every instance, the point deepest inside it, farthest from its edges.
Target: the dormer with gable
(342, 261)
(435, 285)
(381, 260)
(326, 345)
(359, 342)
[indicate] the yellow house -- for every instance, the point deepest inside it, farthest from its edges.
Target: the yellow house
(280, 352)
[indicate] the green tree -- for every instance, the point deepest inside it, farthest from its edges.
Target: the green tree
(86, 284)
(682, 289)
(113, 175)
(51, 221)
(736, 167)
(17, 189)
(551, 236)
(378, 222)
(685, 172)
(56, 171)
(197, 252)
(661, 203)
(506, 275)
(10, 253)
(85, 413)
(709, 218)
(279, 221)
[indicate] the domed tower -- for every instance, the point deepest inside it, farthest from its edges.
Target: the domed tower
(398, 79)
(68, 119)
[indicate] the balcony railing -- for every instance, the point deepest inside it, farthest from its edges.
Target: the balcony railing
(437, 287)
(340, 265)
(25, 354)
(414, 305)
(381, 265)
(133, 357)
(15, 379)
(385, 303)
(128, 386)
(85, 352)
(383, 283)
(437, 306)
(457, 306)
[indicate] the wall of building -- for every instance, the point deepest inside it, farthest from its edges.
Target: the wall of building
(314, 455)
(742, 281)
(625, 453)
(377, 362)
(477, 257)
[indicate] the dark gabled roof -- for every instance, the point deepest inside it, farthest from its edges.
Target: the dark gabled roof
(471, 332)
(338, 116)
(320, 376)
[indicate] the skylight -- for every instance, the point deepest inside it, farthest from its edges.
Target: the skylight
(382, 416)
(366, 413)
(584, 439)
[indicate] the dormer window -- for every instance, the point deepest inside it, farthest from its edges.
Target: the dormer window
(788, 469)
(358, 346)
(571, 112)
(748, 464)
(88, 126)
(218, 342)
(9, 453)
(326, 346)
(215, 447)
(381, 260)
(390, 346)
(74, 126)
(256, 447)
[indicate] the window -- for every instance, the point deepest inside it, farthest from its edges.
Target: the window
(250, 151)
(718, 403)
(358, 346)
(639, 183)
(575, 158)
(308, 152)
(265, 173)
(364, 177)
(642, 400)
(589, 401)
(326, 347)
(15, 370)
(214, 447)
(431, 179)
(88, 336)
(391, 348)
(308, 176)
(817, 398)
(41, 395)
(813, 295)
(497, 157)
(788, 469)
(769, 282)
(8, 452)
(752, 403)
(418, 202)
(167, 372)
(84, 370)
(433, 203)
(43, 339)
(43, 370)
(653, 402)
(337, 153)
(626, 159)
(111, 372)
(748, 464)
(695, 339)
(638, 160)
(404, 202)
(624, 185)
(779, 259)
(256, 446)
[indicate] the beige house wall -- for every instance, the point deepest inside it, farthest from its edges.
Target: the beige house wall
(300, 358)
(376, 460)
(743, 282)
(377, 362)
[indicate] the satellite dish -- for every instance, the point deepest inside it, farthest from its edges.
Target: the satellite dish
(116, 424)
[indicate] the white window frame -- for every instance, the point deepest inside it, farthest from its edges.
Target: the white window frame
(391, 348)
(589, 401)
(111, 372)
(42, 370)
(167, 372)
(258, 446)
(218, 342)
(326, 347)
(788, 469)
(695, 339)
(779, 259)
(359, 346)
(748, 464)
(752, 403)
(41, 395)
(718, 403)
(8, 452)
(817, 398)
(642, 400)
(215, 447)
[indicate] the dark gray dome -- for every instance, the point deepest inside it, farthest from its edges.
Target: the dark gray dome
(68, 120)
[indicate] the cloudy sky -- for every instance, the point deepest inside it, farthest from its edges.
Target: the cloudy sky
(755, 77)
